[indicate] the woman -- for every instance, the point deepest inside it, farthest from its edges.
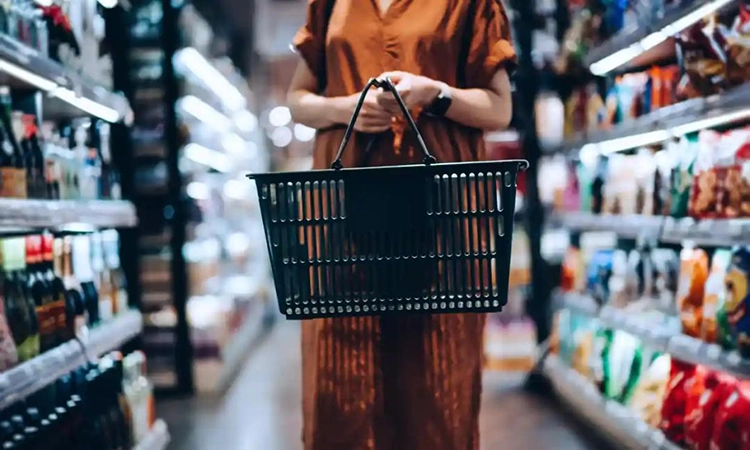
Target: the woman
(410, 383)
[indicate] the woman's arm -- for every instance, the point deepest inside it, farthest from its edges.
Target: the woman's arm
(487, 109)
(320, 112)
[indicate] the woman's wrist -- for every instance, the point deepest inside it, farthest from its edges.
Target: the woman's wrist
(340, 110)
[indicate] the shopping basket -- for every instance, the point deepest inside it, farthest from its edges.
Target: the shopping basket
(426, 238)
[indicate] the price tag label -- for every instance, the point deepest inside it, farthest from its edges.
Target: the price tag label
(685, 346)
(734, 359)
(713, 352)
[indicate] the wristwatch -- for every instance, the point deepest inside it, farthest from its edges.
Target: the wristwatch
(442, 102)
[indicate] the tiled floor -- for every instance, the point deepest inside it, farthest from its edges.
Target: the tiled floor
(261, 411)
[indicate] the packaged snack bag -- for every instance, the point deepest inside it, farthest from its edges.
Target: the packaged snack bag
(702, 59)
(702, 407)
(666, 276)
(734, 162)
(714, 294)
(598, 275)
(585, 176)
(624, 361)
(704, 196)
(599, 359)
(650, 391)
(684, 153)
(737, 298)
(732, 420)
(645, 171)
(581, 358)
(693, 276)
(673, 408)
(738, 48)
(661, 198)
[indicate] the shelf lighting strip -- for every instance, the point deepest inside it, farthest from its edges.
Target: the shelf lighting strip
(55, 90)
(654, 137)
(625, 55)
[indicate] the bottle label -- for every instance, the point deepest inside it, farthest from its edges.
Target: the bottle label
(28, 348)
(106, 307)
(7, 182)
(47, 324)
(57, 311)
(20, 184)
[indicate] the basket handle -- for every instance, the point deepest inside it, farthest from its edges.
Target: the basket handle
(385, 84)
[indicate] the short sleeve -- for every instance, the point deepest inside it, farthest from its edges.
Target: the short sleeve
(309, 42)
(491, 47)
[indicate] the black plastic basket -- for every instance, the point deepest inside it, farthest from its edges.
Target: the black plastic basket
(429, 238)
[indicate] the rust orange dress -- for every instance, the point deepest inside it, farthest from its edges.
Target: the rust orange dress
(410, 383)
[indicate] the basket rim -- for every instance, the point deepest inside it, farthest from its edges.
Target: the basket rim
(522, 165)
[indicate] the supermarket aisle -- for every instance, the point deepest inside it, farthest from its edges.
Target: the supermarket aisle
(262, 410)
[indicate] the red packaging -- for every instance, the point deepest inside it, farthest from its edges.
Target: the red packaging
(702, 408)
(732, 421)
(674, 407)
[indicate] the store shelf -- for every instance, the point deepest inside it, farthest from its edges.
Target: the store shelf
(641, 46)
(68, 93)
(675, 120)
(719, 232)
(624, 226)
(31, 376)
(682, 347)
(157, 439)
(612, 419)
(114, 334)
(706, 232)
(66, 214)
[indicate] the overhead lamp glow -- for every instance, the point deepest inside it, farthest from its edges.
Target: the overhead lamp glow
(245, 121)
(109, 4)
(44, 84)
(279, 116)
(235, 189)
(622, 57)
(207, 157)
(281, 137)
(190, 60)
(233, 144)
(86, 104)
(204, 112)
(198, 190)
(304, 133)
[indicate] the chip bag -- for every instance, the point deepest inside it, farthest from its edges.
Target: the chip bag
(732, 420)
(737, 298)
(673, 408)
(703, 402)
(693, 276)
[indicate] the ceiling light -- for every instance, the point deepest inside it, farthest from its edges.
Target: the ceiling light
(281, 137)
(279, 116)
(204, 112)
(207, 157)
(245, 121)
(304, 133)
(109, 4)
(198, 190)
(191, 60)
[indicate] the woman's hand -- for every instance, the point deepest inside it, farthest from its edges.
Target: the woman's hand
(416, 91)
(373, 117)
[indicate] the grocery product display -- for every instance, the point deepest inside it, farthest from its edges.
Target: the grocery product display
(647, 182)
(201, 254)
(66, 293)
(107, 405)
